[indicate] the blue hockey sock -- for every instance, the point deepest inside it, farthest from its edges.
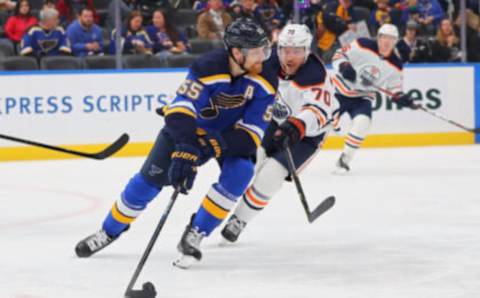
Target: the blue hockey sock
(215, 207)
(222, 196)
(134, 199)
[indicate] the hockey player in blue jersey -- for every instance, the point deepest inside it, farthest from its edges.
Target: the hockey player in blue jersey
(221, 110)
(302, 119)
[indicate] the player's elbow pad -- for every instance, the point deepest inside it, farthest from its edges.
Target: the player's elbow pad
(239, 143)
(182, 128)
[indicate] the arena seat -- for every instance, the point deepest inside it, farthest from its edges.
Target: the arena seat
(60, 62)
(19, 63)
(6, 47)
(200, 46)
(142, 61)
(181, 60)
(99, 62)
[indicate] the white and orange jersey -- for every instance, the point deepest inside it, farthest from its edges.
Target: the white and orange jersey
(307, 96)
(385, 72)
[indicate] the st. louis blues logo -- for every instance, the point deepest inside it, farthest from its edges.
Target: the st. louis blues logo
(155, 170)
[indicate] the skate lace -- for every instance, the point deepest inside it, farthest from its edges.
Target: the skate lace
(194, 237)
(98, 240)
(236, 225)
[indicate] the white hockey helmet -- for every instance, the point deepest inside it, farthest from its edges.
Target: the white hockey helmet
(296, 35)
(388, 29)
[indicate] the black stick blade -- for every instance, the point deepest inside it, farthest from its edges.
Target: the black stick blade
(322, 208)
(113, 148)
(147, 291)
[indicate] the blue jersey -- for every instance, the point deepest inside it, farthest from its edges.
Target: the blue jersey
(39, 42)
(219, 102)
(129, 39)
(79, 37)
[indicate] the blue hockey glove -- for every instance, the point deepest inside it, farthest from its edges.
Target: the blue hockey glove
(212, 144)
(183, 167)
(348, 72)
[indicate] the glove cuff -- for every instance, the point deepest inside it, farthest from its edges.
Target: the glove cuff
(299, 125)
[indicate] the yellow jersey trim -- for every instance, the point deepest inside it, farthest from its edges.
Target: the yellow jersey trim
(215, 79)
(180, 110)
(253, 135)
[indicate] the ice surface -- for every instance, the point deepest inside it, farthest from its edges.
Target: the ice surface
(406, 224)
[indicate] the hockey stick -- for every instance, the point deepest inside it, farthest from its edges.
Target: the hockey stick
(417, 106)
(148, 289)
(110, 150)
(322, 208)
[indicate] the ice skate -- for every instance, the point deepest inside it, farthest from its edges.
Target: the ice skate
(189, 248)
(232, 230)
(341, 167)
(93, 244)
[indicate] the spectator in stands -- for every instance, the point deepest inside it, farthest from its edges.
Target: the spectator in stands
(48, 4)
(473, 32)
(20, 22)
(473, 19)
(47, 38)
(148, 7)
(135, 39)
(334, 20)
(69, 10)
(7, 5)
(430, 14)
(201, 5)
(212, 22)
(246, 9)
(271, 15)
(411, 47)
(167, 40)
(445, 47)
(235, 8)
(84, 35)
(472, 5)
(126, 8)
(381, 14)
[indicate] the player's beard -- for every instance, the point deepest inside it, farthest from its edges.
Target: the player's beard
(255, 69)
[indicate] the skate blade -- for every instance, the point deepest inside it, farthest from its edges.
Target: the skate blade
(224, 242)
(184, 262)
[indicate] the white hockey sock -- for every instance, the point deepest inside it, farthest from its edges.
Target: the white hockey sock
(356, 136)
(268, 181)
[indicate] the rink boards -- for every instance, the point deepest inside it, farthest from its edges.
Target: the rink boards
(89, 109)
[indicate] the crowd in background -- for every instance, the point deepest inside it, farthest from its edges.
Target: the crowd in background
(429, 28)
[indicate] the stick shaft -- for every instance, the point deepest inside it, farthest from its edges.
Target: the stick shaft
(152, 241)
(296, 180)
(459, 125)
(114, 147)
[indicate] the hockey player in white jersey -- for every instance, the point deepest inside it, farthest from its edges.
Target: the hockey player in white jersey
(302, 117)
(359, 68)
